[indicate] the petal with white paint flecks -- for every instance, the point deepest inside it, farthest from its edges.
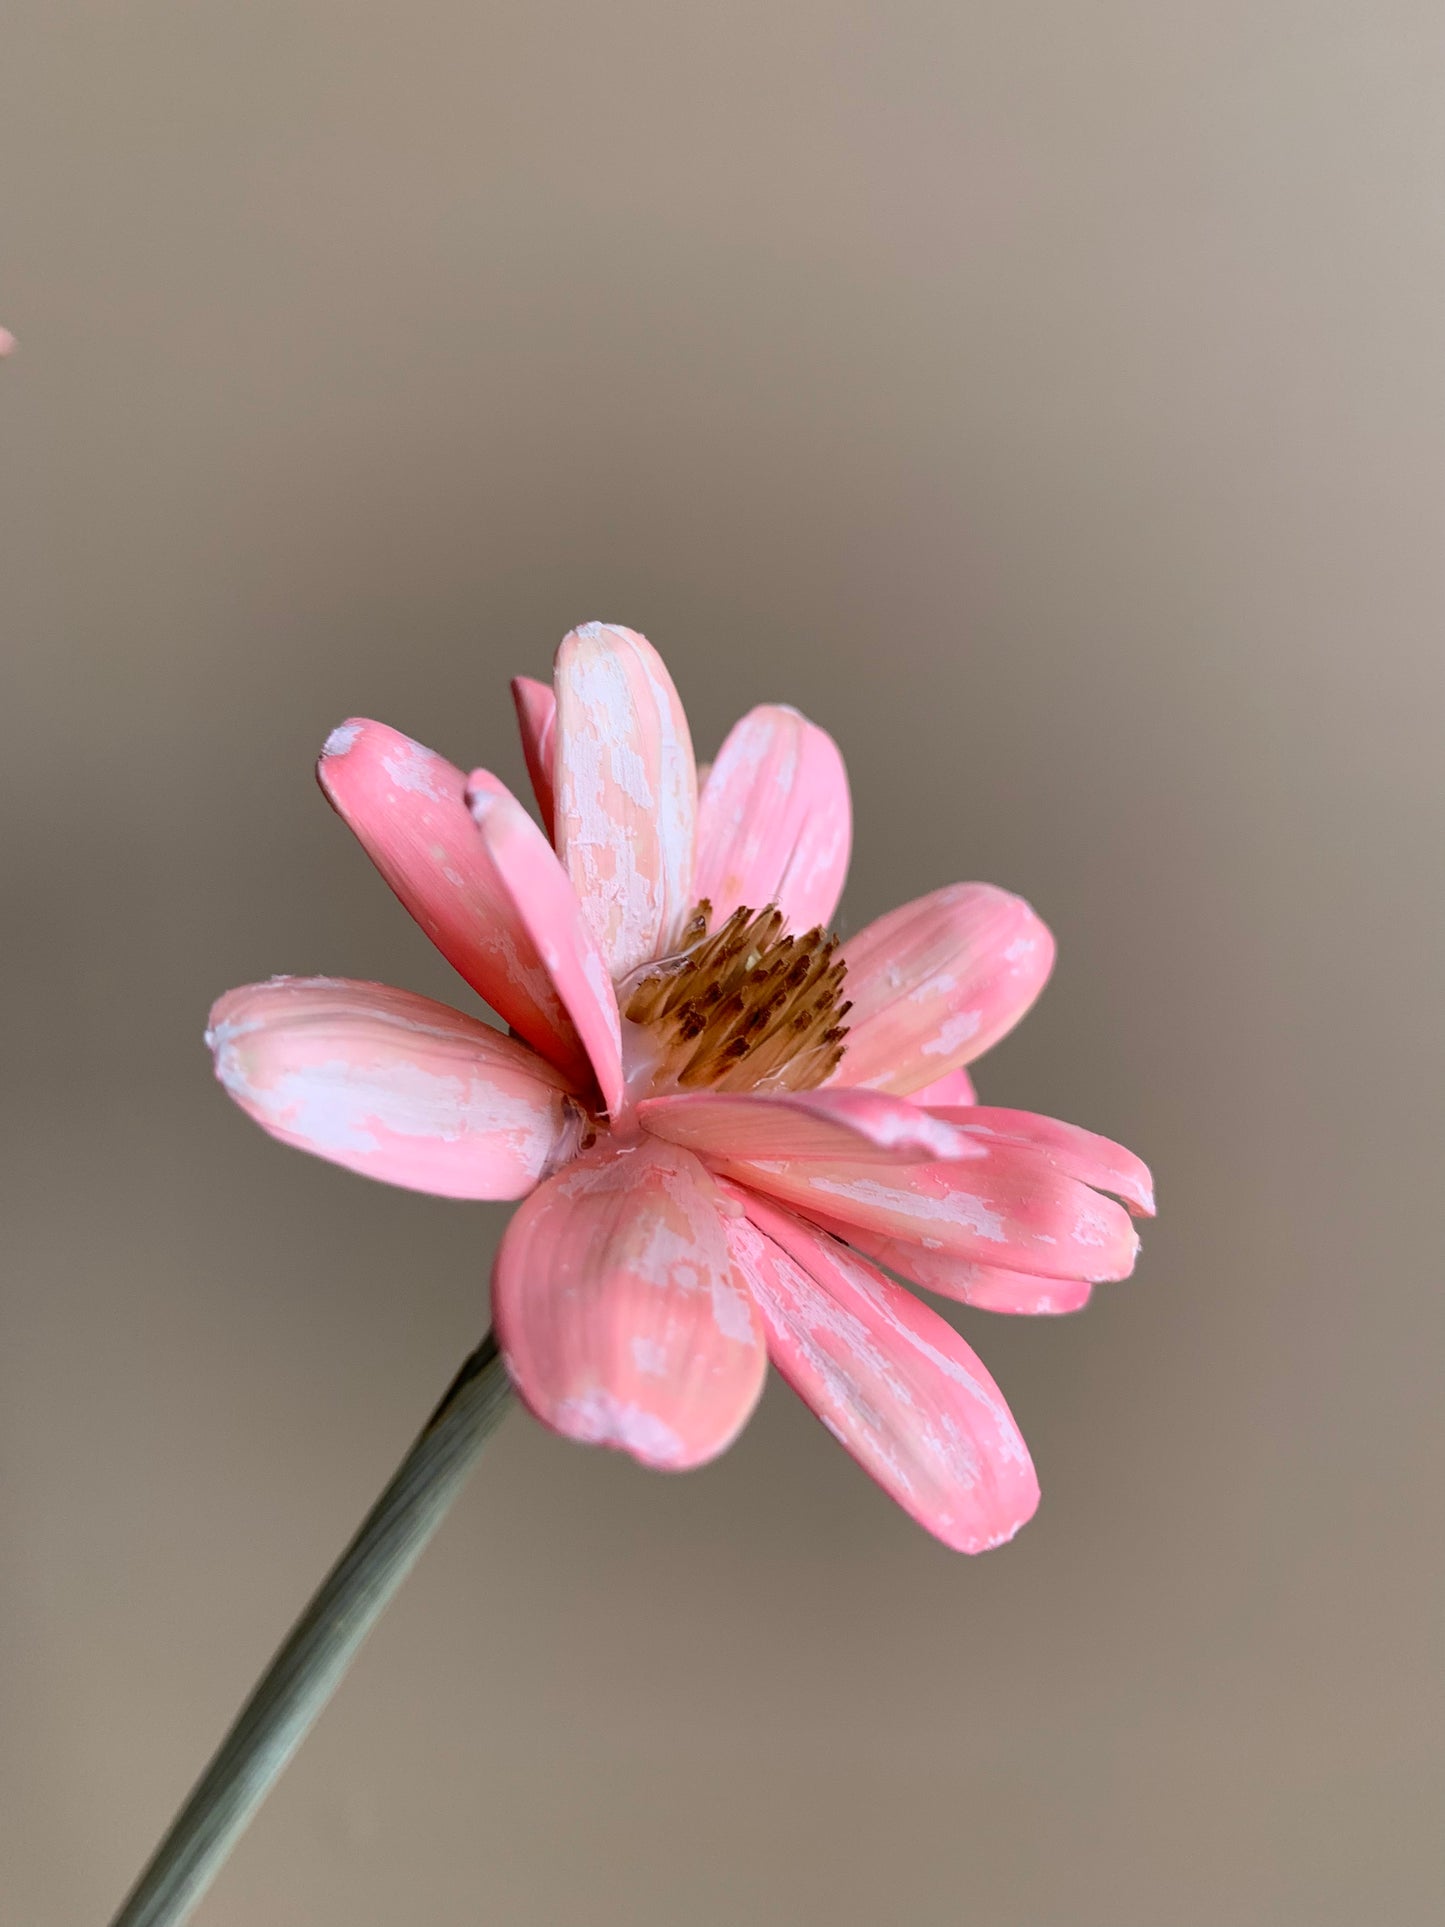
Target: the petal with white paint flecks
(619, 1310)
(985, 1287)
(543, 901)
(1057, 1146)
(1003, 1209)
(407, 807)
(626, 788)
(393, 1086)
(863, 1126)
(894, 1383)
(935, 983)
(775, 822)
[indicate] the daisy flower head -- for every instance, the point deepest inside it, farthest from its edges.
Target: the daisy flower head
(723, 1123)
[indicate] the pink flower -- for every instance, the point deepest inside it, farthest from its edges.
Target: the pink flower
(721, 1121)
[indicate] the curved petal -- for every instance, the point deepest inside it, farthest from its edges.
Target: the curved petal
(985, 1287)
(626, 792)
(537, 724)
(407, 807)
(544, 903)
(996, 1211)
(774, 822)
(863, 1126)
(954, 1088)
(892, 1381)
(1094, 1160)
(620, 1313)
(393, 1086)
(936, 983)
(1019, 1295)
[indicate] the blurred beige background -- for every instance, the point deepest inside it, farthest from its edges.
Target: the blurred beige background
(1049, 400)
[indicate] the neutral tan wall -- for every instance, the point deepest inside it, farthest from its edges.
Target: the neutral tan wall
(1048, 399)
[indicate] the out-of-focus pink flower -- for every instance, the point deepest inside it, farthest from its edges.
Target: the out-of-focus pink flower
(7, 342)
(721, 1120)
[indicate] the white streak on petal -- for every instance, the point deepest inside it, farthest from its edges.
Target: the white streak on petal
(341, 739)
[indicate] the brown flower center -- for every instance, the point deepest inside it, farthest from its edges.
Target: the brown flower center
(745, 1009)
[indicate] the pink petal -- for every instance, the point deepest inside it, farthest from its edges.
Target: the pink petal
(894, 1383)
(619, 1310)
(954, 1088)
(542, 900)
(863, 1126)
(407, 805)
(537, 722)
(774, 822)
(999, 1211)
(1062, 1147)
(626, 792)
(393, 1086)
(935, 983)
(985, 1287)
(1015, 1292)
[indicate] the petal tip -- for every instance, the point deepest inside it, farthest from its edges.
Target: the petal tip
(1007, 1533)
(593, 631)
(483, 792)
(980, 1536)
(342, 739)
(600, 1419)
(1123, 1267)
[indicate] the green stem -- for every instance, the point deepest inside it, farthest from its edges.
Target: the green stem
(321, 1645)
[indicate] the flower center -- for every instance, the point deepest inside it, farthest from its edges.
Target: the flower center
(744, 1009)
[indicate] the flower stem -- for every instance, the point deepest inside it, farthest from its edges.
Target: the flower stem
(289, 1698)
